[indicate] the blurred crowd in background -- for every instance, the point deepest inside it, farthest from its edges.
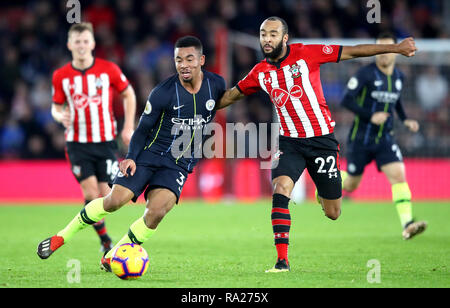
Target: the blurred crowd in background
(139, 37)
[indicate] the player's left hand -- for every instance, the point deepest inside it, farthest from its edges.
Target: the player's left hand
(126, 136)
(412, 125)
(407, 47)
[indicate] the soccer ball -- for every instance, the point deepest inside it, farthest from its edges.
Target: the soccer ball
(129, 261)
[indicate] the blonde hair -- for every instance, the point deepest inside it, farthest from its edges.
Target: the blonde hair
(81, 27)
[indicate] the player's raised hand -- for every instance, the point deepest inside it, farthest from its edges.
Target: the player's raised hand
(127, 164)
(379, 117)
(412, 125)
(407, 47)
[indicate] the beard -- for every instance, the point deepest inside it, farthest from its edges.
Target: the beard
(275, 53)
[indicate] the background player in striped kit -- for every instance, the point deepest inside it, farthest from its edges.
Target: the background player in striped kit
(373, 94)
(82, 102)
(290, 75)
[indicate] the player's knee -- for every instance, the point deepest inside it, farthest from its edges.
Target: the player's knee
(90, 193)
(282, 188)
(333, 214)
(332, 210)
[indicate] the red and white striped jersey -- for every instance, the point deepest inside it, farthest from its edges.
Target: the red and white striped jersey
(293, 84)
(89, 94)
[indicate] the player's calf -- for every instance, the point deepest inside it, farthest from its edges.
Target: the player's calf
(118, 196)
(159, 202)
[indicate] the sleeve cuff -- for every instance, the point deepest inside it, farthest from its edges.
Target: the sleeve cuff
(123, 90)
(339, 54)
(239, 89)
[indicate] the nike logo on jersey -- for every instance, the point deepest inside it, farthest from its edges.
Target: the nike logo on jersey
(378, 83)
(177, 107)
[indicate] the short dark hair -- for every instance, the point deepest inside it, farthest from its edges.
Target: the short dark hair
(387, 35)
(283, 23)
(189, 41)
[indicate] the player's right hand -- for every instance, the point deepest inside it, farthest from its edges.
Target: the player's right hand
(127, 164)
(379, 117)
(407, 47)
(412, 125)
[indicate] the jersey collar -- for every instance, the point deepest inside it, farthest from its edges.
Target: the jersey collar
(83, 71)
(278, 63)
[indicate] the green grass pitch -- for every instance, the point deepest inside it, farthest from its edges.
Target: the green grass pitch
(201, 245)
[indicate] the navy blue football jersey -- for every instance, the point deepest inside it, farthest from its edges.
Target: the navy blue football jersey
(369, 91)
(172, 123)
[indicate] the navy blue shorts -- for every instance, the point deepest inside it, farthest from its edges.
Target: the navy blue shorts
(359, 155)
(147, 178)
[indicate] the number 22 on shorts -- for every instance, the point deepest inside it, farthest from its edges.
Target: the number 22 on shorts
(332, 171)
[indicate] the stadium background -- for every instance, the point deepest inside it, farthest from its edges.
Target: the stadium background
(139, 36)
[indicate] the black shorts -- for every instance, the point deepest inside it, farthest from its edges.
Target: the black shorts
(147, 178)
(320, 155)
(359, 155)
(98, 159)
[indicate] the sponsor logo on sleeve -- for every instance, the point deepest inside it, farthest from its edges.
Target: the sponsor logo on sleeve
(327, 49)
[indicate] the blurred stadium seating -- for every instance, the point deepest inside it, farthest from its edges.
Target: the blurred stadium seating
(139, 36)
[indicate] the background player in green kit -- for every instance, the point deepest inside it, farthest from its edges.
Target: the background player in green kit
(373, 94)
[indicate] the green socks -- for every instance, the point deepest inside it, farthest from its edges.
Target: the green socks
(90, 214)
(94, 212)
(138, 234)
(401, 195)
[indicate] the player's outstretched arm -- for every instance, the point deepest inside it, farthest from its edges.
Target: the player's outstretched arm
(407, 47)
(129, 106)
(229, 97)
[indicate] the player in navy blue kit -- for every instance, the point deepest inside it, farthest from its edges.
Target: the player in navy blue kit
(155, 164)
(373, 94)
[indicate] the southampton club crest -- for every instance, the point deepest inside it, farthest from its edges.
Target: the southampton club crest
(295, 71)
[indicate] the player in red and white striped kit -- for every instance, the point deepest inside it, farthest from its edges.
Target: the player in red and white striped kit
(83, 92)
(290, 75)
